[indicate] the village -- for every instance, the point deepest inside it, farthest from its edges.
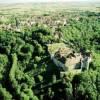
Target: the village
(64, 57)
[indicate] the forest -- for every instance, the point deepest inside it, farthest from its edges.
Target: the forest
(27, 71)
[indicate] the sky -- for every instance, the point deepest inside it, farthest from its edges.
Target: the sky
(25, 1)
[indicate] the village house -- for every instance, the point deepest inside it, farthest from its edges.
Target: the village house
(66, 59)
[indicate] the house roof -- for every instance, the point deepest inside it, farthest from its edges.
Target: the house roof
(67, 56)
(62, 54)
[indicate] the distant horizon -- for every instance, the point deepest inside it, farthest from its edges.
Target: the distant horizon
(43, 1)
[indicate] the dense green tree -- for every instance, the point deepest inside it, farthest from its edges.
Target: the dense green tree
(27, 72)
(4, 94)
(85, 86)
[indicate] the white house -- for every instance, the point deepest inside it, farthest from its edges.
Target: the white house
(66, 59)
